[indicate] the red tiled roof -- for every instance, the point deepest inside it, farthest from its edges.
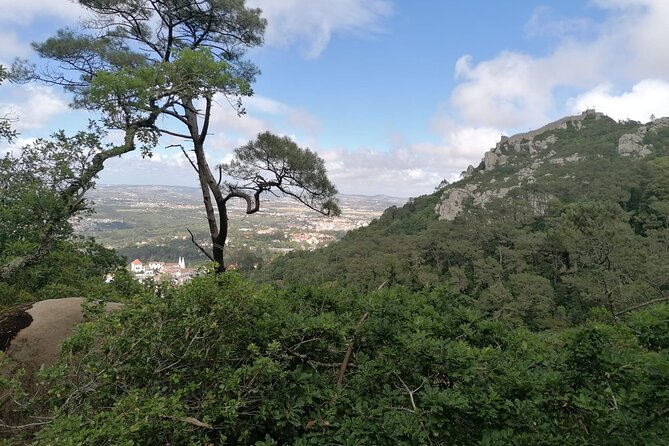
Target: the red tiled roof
(136, 262)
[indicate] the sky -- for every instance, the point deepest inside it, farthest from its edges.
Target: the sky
(394, 95)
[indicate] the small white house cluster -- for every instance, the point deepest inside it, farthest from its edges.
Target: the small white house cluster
(175, 272)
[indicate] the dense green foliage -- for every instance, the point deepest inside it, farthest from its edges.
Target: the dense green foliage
(601, 240)
(504, 326)
(220, 361)
(41, 189)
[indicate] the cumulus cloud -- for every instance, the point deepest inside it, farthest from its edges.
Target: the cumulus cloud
(410, 169)
(515, 89)
(162, 169)
(23, 12)
(375, 172)
(229, 130)
(37, 106)
(646, 98)
(504, 92)
(310, 24)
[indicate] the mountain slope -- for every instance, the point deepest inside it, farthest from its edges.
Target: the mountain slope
(552, 224)
(569, 158)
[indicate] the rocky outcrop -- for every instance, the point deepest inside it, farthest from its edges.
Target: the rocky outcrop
(574, 120)
(567, 159)
(526, 155)
(493, 159)
(453, 200)
(468, 173)
(32, 333)
(530, 142)
(631, 144)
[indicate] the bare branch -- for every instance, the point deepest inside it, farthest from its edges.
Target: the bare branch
(645, 304)
(186, 155)
(410, 392)
(349, 351)
(192, 239)
(171, 133)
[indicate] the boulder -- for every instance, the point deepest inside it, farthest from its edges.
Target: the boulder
(631, 144)
(31, 334)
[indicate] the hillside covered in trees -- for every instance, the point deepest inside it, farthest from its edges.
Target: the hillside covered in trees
(578, 225)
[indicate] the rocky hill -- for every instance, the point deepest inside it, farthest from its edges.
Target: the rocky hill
(551, 224)
(530, 158)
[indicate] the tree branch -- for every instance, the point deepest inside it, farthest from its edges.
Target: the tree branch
(645, 304)
(186, 155)
(205, 124)
(192, 239)
(349, 351)
(171, 133)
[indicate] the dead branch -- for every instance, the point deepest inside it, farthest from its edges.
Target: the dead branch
(645, 304)
(349, 351)
(315, 364)
(410, 392)
(190, 420)
(24, 426)
(186, 155)
(192, 239)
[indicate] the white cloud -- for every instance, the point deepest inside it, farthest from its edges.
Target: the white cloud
(504, 92)
(307, 24)
(310, 24)
(542, 22)
(264, 104)
(410, 169)
(12, 46)
(516, 89)
(374, 172)
(23, 12)
(262, 114)
(37, 106)
(646, 98)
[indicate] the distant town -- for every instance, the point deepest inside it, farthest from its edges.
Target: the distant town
(150, 223)
(175, 273)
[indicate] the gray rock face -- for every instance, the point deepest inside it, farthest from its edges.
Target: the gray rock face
(569, 159)
(453, 200)
(451, 203)
(631, 144)
(529, 142)
(468, 173)
(542, 145)
(492, 159)
(485, 196)
(536, 148)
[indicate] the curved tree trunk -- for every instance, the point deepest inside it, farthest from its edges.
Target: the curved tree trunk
(211, 193)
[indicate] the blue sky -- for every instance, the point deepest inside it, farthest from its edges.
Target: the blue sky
(395, 94)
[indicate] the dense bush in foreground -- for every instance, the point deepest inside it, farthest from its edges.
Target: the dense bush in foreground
(221, 361)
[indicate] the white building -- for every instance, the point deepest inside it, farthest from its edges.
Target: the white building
(136, 266)
(156, 266)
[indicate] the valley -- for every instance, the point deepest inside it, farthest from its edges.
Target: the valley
(152, 222)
